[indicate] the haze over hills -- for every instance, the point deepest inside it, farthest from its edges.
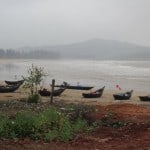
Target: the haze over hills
(99, 49)
(95, 49)
(104, 49)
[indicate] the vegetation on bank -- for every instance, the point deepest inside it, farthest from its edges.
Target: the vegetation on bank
(54, 123)
(50, 124)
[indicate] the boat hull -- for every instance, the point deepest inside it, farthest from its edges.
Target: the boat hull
(145, 98)
(123, 96)
(14, 82)
(91, 95)
(9, 89)
(45, 92)
(95, 94)
(75, 87)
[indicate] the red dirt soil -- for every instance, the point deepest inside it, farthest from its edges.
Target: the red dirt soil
(133, 136)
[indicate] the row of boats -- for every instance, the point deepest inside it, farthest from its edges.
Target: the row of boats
(12, 86)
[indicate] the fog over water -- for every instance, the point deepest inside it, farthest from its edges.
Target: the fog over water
(128, 74)
(49, 22)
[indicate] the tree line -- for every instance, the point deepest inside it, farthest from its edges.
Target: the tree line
(34, 54)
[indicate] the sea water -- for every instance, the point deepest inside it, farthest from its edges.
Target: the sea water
(127, 74)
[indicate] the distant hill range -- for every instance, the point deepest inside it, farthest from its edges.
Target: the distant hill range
(95, 49)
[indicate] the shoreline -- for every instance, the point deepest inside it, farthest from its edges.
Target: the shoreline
(96, 73)
(75, 96)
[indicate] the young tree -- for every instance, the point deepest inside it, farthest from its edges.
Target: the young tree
(35, 76)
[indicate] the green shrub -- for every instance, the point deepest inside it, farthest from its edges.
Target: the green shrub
(51, 135)
(6, 127)
(65, 129)
(25, 124)
(52, 115)
(80, 125)
(33, 98)
(48, 120)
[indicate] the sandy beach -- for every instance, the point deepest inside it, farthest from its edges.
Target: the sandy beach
(75, 96)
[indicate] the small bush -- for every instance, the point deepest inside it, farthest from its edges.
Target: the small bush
(78, 111)
(80, 125)
(51, 114)
(109, 120)
(65, 130)
(25, 124)
(4, 127)
(33, 98)
(51, 135)
(48, 120)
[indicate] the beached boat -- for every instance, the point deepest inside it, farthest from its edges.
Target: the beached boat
(123, 96)
(45, 92)
(78, 87)
(14, 82)
(145, 98)
(95, 94)
(9, 88)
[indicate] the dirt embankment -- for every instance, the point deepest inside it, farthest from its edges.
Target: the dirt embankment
(134, 136)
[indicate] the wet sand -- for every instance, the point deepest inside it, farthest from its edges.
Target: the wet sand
(75, 96)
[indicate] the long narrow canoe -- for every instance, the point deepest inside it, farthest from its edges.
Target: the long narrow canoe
(75, 87)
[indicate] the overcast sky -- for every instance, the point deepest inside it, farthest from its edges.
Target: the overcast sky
(50, 22)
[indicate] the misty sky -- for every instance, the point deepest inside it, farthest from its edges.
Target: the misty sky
(50, 22)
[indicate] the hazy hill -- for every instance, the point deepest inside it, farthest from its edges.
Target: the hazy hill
(99, 49)
(103, 49)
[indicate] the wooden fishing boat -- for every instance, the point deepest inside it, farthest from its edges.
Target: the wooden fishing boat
(145, 98)
(14, 82)
(45, 92)
(95, 94)
(9, 88)
(123, 96)
(78, 87)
